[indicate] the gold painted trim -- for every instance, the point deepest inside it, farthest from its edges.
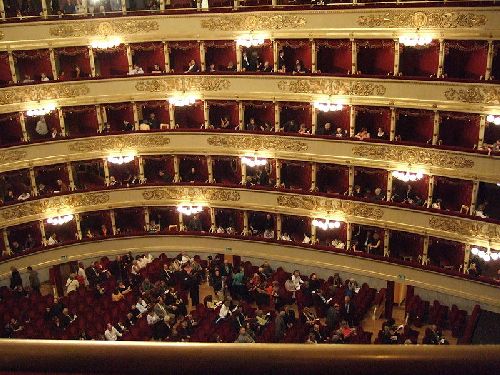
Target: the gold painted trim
(103, 28)
(252, 22)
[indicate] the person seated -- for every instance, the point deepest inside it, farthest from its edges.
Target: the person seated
(12, 326)
(68, 7)
(480, 211)
(127, 126)
(381, 135)
(9, 197)
(156, 69)
(339, 133)
(281, 62)
(66, 318)
(211, 68)
(72, 284)
(44, 78)
(266, 67)
(191, 176)
(285, 237)
(225, 312)
(15, 247)
(111, 333)
(268, 233)
(473, 270)
(41, 127)
(325, 130)
(52, 240)
(356, 192)
(224, 123)
(153, 122)
(303, 129)
(378, 196)
(299, 68)
(152, 318)
(244, 337)
(61, 186)
(136, 69)
(192, 67)
(373, 243)
(363, 134)
(338, 244)
(24, 196)
(230, 67)
(437, 204)
(28, 79)
(307, 239)
(252, 125)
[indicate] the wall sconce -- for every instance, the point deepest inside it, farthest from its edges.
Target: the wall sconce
(253, 162)
(328, 107)
(493, 119)
(106, 43)
(326, 224)
(485, 255)
(189, 209)
(407, 176)
(60, 220)
(40, 111)
(249, 41)
(182, 101)
(414, 40)
(120, 159)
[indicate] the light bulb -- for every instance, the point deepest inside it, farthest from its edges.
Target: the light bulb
(494, 256)
(474, 251)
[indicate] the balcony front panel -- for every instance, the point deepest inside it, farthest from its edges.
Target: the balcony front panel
(346, 152)
(454, 228)
(486, 295)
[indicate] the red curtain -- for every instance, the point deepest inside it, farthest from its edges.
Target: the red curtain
(69, 57)
(295, 227)
(453, 192)
(130, 220)
(18, 181)
(491, 133)
(199, 163)
(190, 116)
(414, 125)
(159, 108)
(94, 221)
(264, 51)
(405, 244)
(227, 170)
(146, 55)
(338, 119)
(298, 112)
(446, 253)
(226, 217)
(220, 109)
(164, 216)
(5, 74)
(296, 175)
(325, 237)
(495, 68)
(49, 175)
(220, 53)
(465, 58)
(89, 174)
(11, 129)
(375, 57)
(20, 232)
(80, 120)
(33, 63)
(152, 165)
(261, 111)
(117, 113)
(52, 120)
(181, 53)
(332, 179)
(296, 49)
(112, 62)
(122, 172)
(64, 233)
(457, 129)
(370, 179)
(419, 61)
(372, 118)
(334, 56)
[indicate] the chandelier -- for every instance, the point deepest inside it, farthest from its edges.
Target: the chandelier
(182, 101)
(407, 176)
(326, 224)
(414, 40)
(249, 41)
(60, 220)
(493, 119)
(189, 210)
(328, 107)
(253, 162)
(40, 111)
(120, 159)
(106, 43)
(485, 255)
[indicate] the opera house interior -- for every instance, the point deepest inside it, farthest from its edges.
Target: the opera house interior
(261, 186)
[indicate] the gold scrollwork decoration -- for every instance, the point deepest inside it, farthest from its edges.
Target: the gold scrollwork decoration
(468, 228)
(2, 35)
(194, 194)
(11, 156)
(321, 204)
(120, 142)
(475, 94)
(253, 22)
(428, 19)
(246, 142)
(42, 92)
(183, 84)
(329, 86)
(411, 155)
(103, 28)
(53, 204)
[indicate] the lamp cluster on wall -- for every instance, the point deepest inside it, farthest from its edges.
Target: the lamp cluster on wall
(106, 43)
(485, 255)
(121, 159)
(415, 40)
(407, 176)
(189, 209)
(326, 224)
(60, 220)
(40, 111)
(253, 162)
(493, 119)
(249, 41)
(182, 101)
(328, 107)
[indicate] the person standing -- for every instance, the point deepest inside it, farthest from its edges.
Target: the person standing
(34, 280)
(15, 278)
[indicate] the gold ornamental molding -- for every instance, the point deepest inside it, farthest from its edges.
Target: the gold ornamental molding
(466, 228)
(183, 84)
(9, 156)
(248, 22)
(195, 194)
(2, 35)
(413, 155)
(42, 92)
(103, 28)
(120, 143)
(257, 143)
(475, 94)
(54, 205)
(331, 86)
(329, 205)
(441, 19)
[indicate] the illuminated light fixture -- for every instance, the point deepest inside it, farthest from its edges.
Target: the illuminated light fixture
(120, 159)
(407, 176)
(328, 107)
(249, 41)
(493, 119)
(106, 43)
(253, 162)
(41, 111)
(60, 220)
(189, 209)
(326, 224)
(182, 101)
(414, 40)
(485, 255)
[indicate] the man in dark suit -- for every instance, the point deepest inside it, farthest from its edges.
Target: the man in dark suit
(280, 326)
(348, 311)
(333, 317)
(154, 123)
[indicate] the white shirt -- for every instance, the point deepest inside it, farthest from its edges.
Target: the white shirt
(152, 319)
(81, 273)
(296, 282)
(72, 285)
(41, 127)
(112, 335)
(224, 311)
(141, 306)
(51, 241)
